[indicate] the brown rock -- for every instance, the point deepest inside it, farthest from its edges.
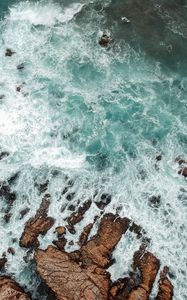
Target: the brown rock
(60, 230)
(37, 225)
(68, 280)
(10, 290)
(165, 291)
(100, 247)
(148, 265)
(77, 216)
(183, 171)
(84, 235)
(60, 243)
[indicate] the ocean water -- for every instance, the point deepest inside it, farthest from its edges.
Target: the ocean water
(95, 119)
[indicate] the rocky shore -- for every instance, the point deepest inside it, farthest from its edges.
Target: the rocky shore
(82, 274)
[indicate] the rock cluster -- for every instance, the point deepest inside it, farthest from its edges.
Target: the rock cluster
(83, 274)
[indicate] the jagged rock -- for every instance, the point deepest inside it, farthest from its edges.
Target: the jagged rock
(154, 201)
(159, 157)
(9, 52)
(10, 290)
(60, 243)
(11, 250)
(37, 225)
(84, 235)
(183, 171)
(60, 230)
(3, 154)
(100, 247)
(148, 265)
(68, 280)
(165, 291)
(104, 201)
(105, 40)
(77, 216)
(3, 261)
(23, 212)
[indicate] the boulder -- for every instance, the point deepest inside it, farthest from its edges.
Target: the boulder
(37, 225)
(68, 280)
(10, 290)
(165, 290)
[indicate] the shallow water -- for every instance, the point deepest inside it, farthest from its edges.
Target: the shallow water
(97, 117)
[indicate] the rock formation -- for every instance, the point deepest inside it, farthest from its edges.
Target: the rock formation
(10, 290)
(37, 225)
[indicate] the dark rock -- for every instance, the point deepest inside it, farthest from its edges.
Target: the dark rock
(159, 157)
(42, 187)
(2, 97)
(71, 207)
(37, 225)
(3, 154)
(21, 66)
(3, 261)
(183, 172)
(154, 201)
(23, 212)
(7, 217)
(77, 216)
(10, 290)
(11, 250)
(60, 243)
(9, 52)
(105, 40)
(70, 196)
(18, 89)
(104, 201)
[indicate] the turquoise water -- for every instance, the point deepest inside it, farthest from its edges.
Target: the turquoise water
(97, 116)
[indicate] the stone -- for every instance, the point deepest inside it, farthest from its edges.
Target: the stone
(183, 171)
(105, 40)
(3, 154)
(3, 261)
(104, 201)
(37, 225)
(9, 52)
(11, 250)
(68, 280)
(60, 230)
(148, 265)
(100, 247)
(10, 290)
(23, 212)
(165, 290)
(77, 216)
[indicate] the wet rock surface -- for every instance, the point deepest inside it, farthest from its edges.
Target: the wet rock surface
(165, 291)
(37, 225)
(83, 274)
(10, 290)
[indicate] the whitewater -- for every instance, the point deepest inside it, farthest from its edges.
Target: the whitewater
(95, 119)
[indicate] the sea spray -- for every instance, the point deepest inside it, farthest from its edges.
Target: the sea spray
(96, 117)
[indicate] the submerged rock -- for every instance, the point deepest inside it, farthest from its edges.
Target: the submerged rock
(10, 290)
(9, 52)
(183, 171)
(77, 216)
(3, 261)
(37, 225)
(105, 40)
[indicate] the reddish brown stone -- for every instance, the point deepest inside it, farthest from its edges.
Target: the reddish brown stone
(165, 291)
(100, 247)
(68, 280)
(84, 235)
(10, 290)
(60, 230)
(148, 265)
(37, 225)
(77, 216)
